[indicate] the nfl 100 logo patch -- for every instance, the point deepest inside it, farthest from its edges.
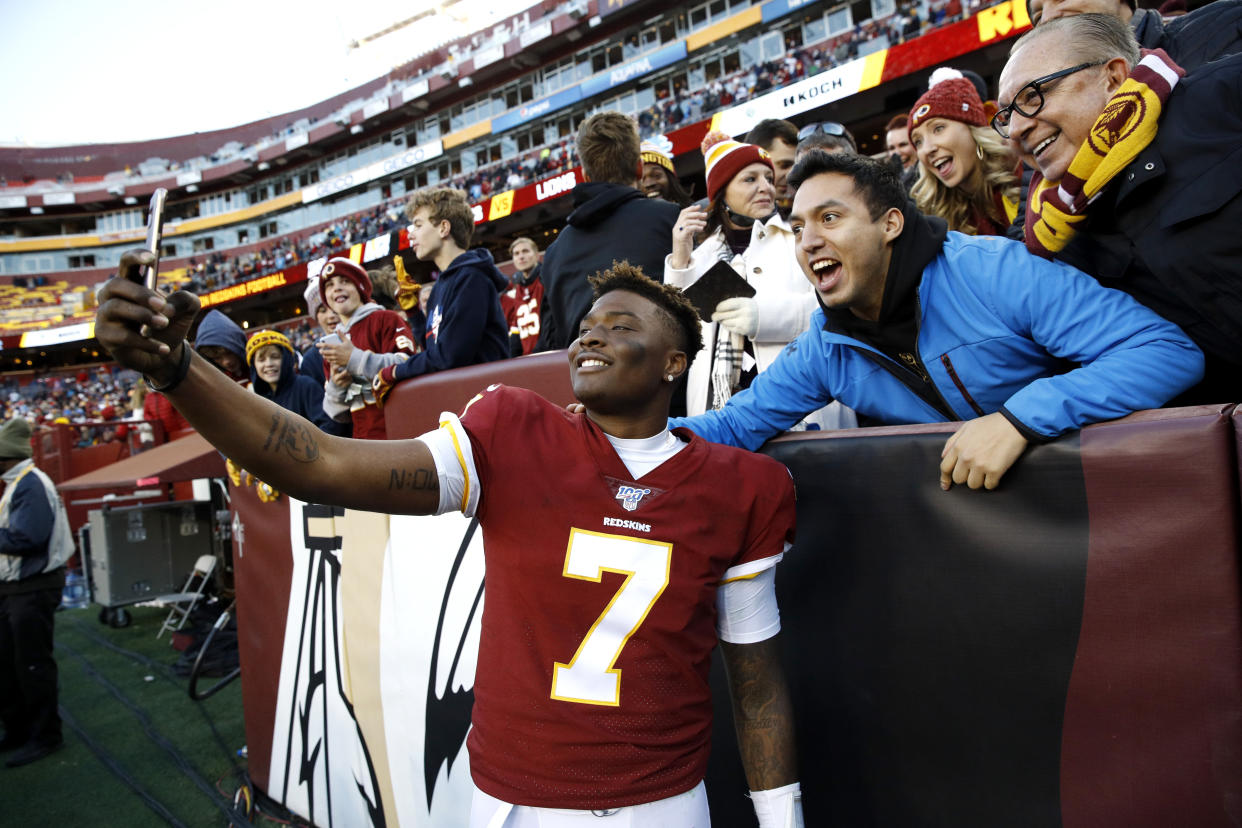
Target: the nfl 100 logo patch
(631, 496)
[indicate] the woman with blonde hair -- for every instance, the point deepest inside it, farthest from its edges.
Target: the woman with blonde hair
(967, 175)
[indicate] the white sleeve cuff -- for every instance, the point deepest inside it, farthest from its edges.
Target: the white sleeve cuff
(454, 457)
(746, 609)
(779, 807)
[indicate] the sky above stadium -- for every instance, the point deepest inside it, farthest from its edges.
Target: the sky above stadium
(82, 71)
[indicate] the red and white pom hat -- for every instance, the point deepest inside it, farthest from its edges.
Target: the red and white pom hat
(725, 158)
(950, 95)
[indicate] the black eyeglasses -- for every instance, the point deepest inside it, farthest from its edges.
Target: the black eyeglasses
(826, 127)
(1030, 98)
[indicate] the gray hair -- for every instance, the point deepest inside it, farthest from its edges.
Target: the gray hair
(1091, 38)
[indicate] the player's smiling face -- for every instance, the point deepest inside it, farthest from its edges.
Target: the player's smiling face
(622, 353)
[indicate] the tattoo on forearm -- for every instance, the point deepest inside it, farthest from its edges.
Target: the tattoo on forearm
(414, 480)
(296, 440)
(762, 714)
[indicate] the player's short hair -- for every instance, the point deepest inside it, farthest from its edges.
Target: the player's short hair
(608, 146)
(876, 181)
(444, 204)
(521, 240)
(680, 315)
(767, 131)
(897, 122)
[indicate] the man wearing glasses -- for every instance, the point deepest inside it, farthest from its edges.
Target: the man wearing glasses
(1138, 175)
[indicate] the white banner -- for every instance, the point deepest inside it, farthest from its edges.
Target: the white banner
(486, 57)
(59, 198)
(11, 202)
(415, 90)
(191, 177)
(296, 140)
(535, 33)
(392, 164)
(788, 101)
(375, 107)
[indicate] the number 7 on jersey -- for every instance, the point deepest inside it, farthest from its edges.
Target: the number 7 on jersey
(590, 677)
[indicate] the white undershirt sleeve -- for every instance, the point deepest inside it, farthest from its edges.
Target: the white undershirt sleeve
(454, 457)
(746, 608)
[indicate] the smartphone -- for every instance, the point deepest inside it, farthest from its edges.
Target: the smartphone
(155, 236)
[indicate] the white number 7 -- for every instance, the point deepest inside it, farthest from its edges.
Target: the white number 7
(590, 677)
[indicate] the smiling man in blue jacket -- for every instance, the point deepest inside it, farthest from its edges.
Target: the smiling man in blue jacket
(920, 325)
(465, 325)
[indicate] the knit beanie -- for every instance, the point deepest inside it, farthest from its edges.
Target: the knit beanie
(262, 338)
(951, 96)
(652, 154)
(15, 439)
(313, 300)
(725, 158)
(344, 267)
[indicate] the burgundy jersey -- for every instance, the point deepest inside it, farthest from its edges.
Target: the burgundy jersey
(599, 614)
(380, 332)
(521, 306)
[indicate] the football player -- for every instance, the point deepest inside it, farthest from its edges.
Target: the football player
(591, 690)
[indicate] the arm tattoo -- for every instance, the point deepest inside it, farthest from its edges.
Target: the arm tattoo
(414, 480)
(295, 439)
(762, 713)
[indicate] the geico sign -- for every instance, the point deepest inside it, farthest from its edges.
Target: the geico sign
(563, 183)
(412, 156)
(406, 159)
(335, 185)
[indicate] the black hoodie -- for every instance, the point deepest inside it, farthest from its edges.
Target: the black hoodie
(895, 332)
(465, 325)
(610, 222)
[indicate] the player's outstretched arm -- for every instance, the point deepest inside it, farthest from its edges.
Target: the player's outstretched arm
(763, 717)
(274, 444)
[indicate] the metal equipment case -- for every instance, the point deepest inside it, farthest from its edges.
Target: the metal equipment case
(140, 552)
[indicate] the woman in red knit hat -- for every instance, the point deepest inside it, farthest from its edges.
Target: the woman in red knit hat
(742, 229)
(967, 175)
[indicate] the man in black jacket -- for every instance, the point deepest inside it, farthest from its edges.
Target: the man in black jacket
(1207, 33)
(1138, 176)
(612, 221)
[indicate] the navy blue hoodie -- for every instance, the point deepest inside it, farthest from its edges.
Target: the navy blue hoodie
(294, 391)
(465, 325)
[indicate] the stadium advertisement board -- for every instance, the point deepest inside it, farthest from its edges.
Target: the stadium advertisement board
(632, 69)
(392, 164)
(535, 109)
(988, 26)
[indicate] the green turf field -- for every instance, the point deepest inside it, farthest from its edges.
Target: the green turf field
(138, 751)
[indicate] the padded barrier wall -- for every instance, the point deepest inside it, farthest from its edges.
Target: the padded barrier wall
(1066, 650)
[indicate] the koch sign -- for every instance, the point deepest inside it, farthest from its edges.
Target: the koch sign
(536, 109)
(634, 69)
(395, 163)
(814, 92)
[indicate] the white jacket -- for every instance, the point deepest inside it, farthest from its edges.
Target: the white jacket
(783, 294)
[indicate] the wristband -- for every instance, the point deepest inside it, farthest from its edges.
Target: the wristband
(183, 370)
(779, 807)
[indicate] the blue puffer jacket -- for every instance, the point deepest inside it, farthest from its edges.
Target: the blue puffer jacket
(998, 328)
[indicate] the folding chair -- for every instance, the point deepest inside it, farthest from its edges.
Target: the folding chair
(183, 602)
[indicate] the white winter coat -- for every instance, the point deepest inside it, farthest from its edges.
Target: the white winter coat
(783, 294)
